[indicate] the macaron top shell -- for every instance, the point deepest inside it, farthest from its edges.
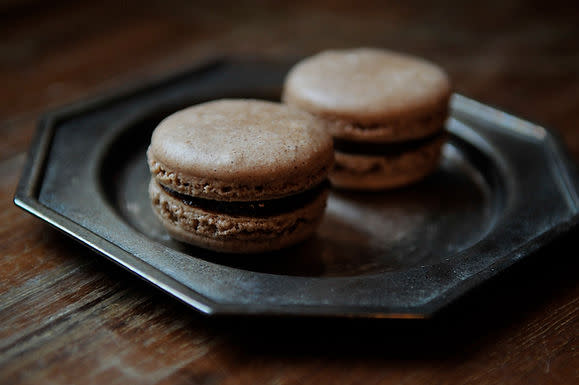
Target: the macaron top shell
(264, 147)
(367, 86)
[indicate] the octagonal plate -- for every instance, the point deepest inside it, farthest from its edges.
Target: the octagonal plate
(504, 188)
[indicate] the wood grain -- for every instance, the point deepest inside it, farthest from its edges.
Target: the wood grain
(68, 316)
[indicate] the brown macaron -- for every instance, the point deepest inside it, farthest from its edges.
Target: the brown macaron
(240, 175)
(385, 110)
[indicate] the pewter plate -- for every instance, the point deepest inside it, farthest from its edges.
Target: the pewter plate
(503, 189)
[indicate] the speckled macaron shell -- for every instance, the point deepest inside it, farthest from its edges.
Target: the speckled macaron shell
(370, 94)
(240, 150)
(235, 234)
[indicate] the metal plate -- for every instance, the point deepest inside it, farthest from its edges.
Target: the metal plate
(503, 189)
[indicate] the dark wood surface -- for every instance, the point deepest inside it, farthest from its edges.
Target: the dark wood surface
(69, 316)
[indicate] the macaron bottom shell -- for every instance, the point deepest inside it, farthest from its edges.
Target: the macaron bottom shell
(375, 172)
(235, 234)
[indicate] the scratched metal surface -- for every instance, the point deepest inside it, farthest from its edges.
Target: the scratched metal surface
(504, 188)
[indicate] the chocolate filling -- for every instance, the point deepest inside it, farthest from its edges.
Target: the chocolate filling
(384, 149)
(263, 208)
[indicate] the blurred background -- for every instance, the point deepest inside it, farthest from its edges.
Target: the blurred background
(66, 313)
(522, 56)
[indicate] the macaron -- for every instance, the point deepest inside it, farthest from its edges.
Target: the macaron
(240, 176)
(385, 110)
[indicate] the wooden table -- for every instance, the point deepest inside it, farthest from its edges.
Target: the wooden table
(69, 316)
